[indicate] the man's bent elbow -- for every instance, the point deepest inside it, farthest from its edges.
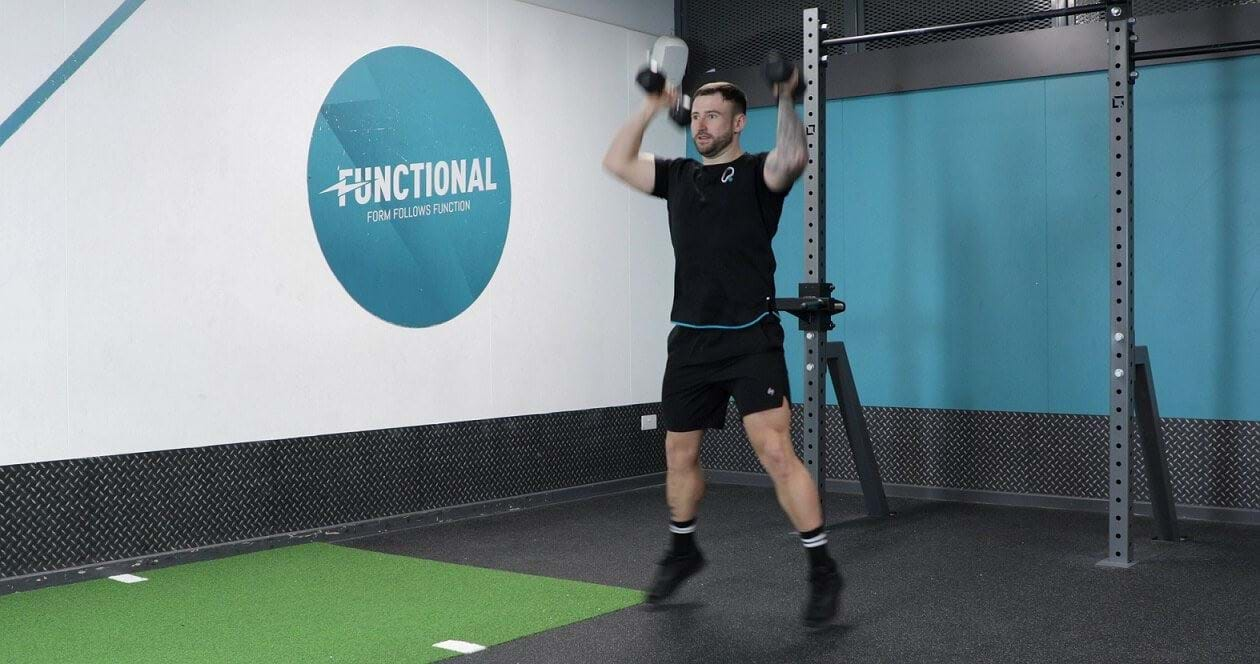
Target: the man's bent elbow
(612, 166)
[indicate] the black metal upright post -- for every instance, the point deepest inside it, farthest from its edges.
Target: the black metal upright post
(854, 22)
(1120, 79)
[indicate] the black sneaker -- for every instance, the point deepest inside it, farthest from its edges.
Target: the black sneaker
(825, 584)
(672, 570)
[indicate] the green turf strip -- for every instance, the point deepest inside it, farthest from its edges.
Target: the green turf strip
(308, 603)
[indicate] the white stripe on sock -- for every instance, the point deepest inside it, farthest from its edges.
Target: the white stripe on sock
(817, 540)
(682, 531)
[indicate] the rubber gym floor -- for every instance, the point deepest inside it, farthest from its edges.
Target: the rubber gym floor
(938, 582)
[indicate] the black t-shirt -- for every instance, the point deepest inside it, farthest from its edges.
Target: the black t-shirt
(721, 221)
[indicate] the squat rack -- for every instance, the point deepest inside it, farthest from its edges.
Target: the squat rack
(1131, 384)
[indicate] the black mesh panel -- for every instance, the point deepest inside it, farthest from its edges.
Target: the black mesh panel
(890, 15)
(732, 34)
(1149, 7)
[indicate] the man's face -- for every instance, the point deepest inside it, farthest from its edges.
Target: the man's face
(714, 124)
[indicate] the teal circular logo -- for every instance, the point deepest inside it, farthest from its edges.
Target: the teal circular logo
(409, 186)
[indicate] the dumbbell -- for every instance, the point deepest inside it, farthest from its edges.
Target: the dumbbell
(777, 70)
(653, 82)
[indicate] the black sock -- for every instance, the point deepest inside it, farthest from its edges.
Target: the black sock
(684, 536)
(815, 542)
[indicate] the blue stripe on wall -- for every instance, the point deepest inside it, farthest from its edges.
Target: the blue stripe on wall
(968, 230)
(67, 69)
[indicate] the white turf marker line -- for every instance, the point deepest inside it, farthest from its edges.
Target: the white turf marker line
(128, 578)
(459, 646)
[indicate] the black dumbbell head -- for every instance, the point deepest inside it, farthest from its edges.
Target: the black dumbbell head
(680, 113)
(650, 80)
(775, 68)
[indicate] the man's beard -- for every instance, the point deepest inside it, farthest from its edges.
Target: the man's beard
(716, 145)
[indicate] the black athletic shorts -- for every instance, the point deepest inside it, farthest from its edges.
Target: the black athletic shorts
(706, 367)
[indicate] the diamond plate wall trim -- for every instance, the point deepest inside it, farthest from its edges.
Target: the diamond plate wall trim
(1040, 501)
(67, 514)
(1213, 463)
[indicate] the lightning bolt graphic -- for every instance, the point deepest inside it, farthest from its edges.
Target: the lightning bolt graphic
(342, 187)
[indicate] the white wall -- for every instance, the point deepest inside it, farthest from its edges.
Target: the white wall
(160, 281)
(650, 16)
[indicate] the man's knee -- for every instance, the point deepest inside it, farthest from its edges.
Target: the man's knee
(682, 451)
(777, 456)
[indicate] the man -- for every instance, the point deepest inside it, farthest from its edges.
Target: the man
(723, 213)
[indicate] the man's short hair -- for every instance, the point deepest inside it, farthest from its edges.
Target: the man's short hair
(729, 91)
